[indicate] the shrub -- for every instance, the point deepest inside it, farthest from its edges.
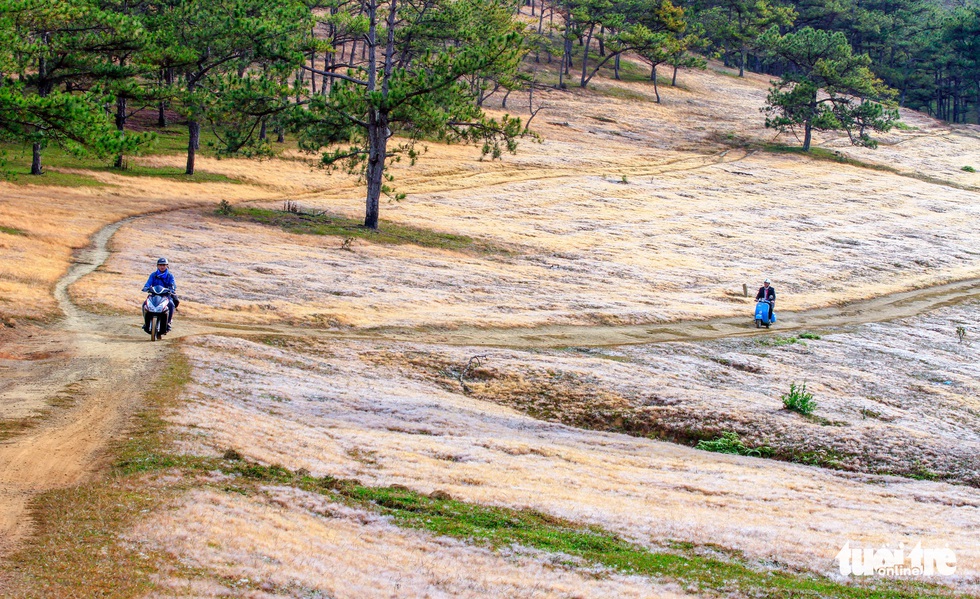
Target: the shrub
(799, 399)
(813, 336)
(224, 208)
(730, 442)
(969, 169)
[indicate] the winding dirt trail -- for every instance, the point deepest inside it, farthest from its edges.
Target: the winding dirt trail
(98, 375)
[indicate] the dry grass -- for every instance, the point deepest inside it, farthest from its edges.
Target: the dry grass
(677, 240)
(335, 406)
(52, 224)
(292, 543)
(674, 246)
(898, 398)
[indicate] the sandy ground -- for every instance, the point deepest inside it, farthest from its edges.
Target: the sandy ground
(629, 213)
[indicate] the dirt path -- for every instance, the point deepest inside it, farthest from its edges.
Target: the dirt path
(879, 309)
(95, 380)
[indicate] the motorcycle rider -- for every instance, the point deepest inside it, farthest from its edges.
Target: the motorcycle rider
(767, 293)
(164, 278)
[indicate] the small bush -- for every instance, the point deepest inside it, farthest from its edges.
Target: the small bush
(224, 208)
(813, 336)
(799, 400)
(969, 169)
(730, 442)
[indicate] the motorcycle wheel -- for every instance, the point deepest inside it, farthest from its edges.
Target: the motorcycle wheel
(154, 328)
(767, 325)
(758, 323)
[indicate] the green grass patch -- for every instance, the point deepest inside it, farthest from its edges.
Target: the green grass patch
(823, 457)
(166, 172)
(818, 153)
(799, 400)
(834, 156)
(623, 93)
(730, 442)
(352, 230)
(702, 569)
(168, 141)
(145, 448)
(969, 169)
(12, 231)
(777, 341)
(13, 427)
(53, 178)
(808, 335)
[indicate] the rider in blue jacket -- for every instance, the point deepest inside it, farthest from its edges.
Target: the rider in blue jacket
(164, 278)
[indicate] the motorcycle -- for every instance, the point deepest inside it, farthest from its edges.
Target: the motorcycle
(762, 314)
(156, 312)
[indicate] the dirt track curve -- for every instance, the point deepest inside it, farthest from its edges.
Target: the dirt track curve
(99, 375)
(107, 362)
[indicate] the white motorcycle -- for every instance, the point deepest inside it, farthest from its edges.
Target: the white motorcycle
(156, 312)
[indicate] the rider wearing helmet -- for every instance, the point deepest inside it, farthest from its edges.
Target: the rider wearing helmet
(164, 278)
(767, 293)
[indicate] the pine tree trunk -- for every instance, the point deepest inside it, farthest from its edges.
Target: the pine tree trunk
(262, 132)
(378, 140)
(585, 56)
(616, 66)
(741, 62)
(312, 74)
(120, 124)
(807, 136)
(162, 117)
(43, 89)
(673, 80)
(36, 159)
(377, 130)
(194, 129)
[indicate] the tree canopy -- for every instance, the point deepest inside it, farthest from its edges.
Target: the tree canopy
(825, 87)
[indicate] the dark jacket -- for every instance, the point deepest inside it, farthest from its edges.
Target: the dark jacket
(767, 293)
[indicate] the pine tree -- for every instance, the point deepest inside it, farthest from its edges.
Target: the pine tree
(55, 64)
(826, 87)
(224, 49)
(412, 82)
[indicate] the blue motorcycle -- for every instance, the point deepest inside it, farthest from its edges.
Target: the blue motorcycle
(762, 314)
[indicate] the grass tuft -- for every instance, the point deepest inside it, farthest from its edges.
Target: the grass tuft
(730, 442)
(799, 400)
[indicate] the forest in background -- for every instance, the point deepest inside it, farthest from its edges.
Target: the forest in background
(346, 76)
